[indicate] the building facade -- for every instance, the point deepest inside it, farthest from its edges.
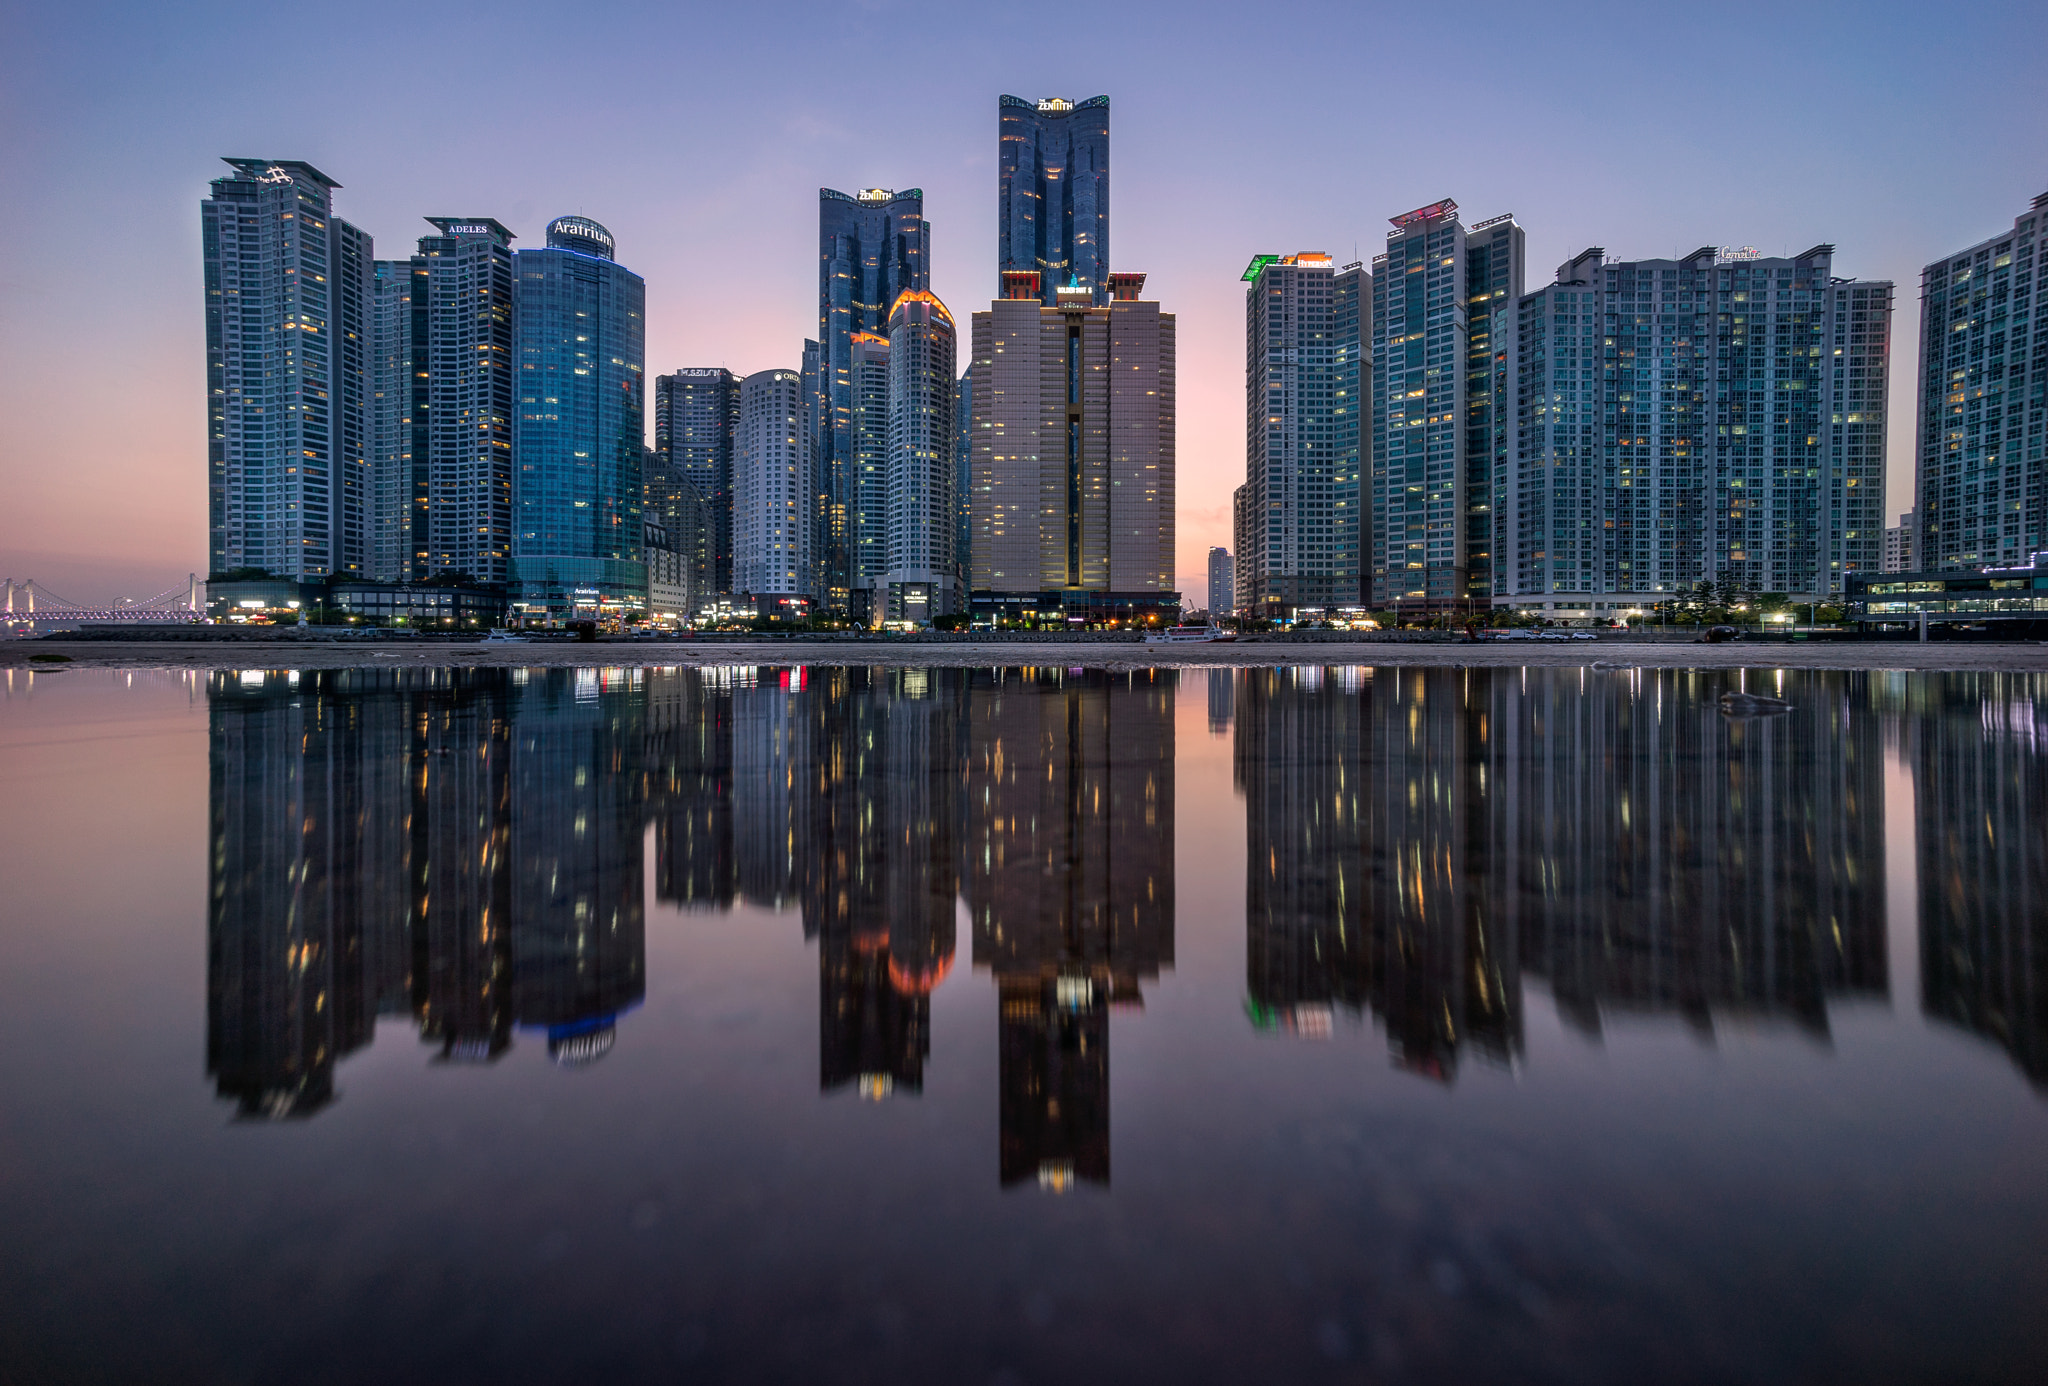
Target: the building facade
(1300, 478)
(772, 528)
(288, 317)
(1052, 170)
(390, 406)
(1073, 423)
(696, 410)
(873, 247)
(464, 401)
(1222, 583)
(1430, 286)
(1900, 549)
(1716, 418)
(920, 578)
(1981, 484)
(578, 443)
(867, 513)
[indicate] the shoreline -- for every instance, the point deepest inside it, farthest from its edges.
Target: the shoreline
(1947, 656)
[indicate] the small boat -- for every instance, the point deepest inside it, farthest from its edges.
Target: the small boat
(507, 637)
(1191, 635)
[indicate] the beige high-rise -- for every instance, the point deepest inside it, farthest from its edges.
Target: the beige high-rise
(1073, 447)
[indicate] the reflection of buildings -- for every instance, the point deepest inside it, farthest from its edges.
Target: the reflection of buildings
(428, 842)
(1981, 789)
(465, 847)
(1418, 838)
(1067, 866)
(879, 862)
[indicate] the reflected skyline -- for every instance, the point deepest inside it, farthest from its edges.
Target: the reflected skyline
(1419, 839)
(467, 850)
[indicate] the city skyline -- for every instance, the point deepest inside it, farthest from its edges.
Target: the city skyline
(125, 504)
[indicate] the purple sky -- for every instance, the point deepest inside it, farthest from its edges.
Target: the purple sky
(700, 135)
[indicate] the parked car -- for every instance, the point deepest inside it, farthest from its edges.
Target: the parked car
(1584, 635)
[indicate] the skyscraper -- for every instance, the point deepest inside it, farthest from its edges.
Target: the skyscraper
(921, 579)
(464, 401)
(581, 332)
(1429, 288)
(696, 410)
(872, 248)
(1052, 214)
(1301, 478)
(771, 511)
(867, 510)
(1981, 488)
(390, 406)
(1073, 499)
(1683, 421)
(287, 321)
(1222, 600)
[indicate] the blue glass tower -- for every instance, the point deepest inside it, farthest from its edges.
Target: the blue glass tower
(577, 489)
(1052, 214)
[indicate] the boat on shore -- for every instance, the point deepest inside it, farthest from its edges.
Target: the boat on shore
(1191, 635)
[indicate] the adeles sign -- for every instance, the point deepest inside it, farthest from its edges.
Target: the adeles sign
(467, 228)
(700, 372)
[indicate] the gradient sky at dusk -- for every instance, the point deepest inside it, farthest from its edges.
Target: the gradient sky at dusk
(700, 134)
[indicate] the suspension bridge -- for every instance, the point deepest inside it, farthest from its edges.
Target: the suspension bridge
(28, 605)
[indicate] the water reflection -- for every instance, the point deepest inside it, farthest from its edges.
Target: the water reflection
(466, 849)
(1978, 745)
(1419, 839)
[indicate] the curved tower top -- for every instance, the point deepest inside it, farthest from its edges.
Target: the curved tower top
(1052, 170)
(581, 233)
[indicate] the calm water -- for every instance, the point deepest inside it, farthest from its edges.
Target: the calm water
(1022, 1026)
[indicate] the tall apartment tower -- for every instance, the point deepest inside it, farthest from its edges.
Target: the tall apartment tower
(1682, 421)
(867, 512)
(1494, 253)
(771, 511)
(696, 410)
(1430, 286)
(920, 578)
(1052, 214)
(873, 246)
(1222, 600)
(390, 407)
(1981, 487)
(463, 401)
(288, 316)
(581, 330)
(963, 475)
(1301, 477)
(1073, 484)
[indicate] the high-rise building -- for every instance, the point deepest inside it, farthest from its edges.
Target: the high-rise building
(1222, 584)
(696, 410)
(1241, 521)
(771, 512)
(867, 509)
(1435, 281)
(463, 401)
(963, 476)
(1719, 417)
(1900, 548)
(873, 247)
(581, 334)
(920, 579)
(1301, 478)
(288, 317)
(1981, 487)
(1052, 213)
(1073, 485)
(390, 405)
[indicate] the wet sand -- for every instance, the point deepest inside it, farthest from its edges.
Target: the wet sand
(1958, 655)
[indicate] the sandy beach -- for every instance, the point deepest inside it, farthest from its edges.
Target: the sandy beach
(1905, 655)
